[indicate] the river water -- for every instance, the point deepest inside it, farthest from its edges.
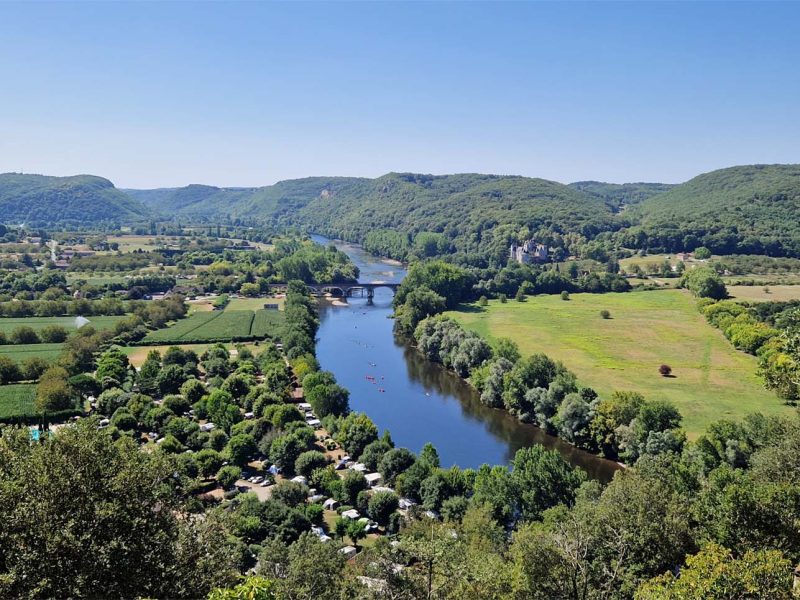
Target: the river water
(416, 400)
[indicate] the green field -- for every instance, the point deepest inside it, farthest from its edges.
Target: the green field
(252, 303)
(711, 379)
(7, 325)
(17, 399)
(219, 326)
(49, 352)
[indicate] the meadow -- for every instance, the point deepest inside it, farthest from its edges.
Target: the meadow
(711, 380)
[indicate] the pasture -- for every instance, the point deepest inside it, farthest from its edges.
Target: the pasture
(711, 380)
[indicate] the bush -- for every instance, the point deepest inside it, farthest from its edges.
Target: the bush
(665, 370)
(483, 301)
(381, 506)
(503, 298)
(565, 295)
(605, 314)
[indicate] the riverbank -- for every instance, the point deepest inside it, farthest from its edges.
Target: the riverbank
(421, 402)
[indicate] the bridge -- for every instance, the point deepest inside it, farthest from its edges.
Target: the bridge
(345, 290)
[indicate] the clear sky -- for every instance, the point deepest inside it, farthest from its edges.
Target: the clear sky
(246, 94)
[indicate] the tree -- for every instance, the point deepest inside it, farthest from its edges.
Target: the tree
(544, 479)
(170, 379)
(24, 335)
(665, 370)
(381, 505)
(34, 367)
(193, 390)
(702, 253)
(252, 588)
(240, 448)
(290, 493)
(353, 482)
(714, 574)
(54, 392)
(208, 462)
(355, 432)
(310, 461)
(9, 370)
(704, 282)
(394, 462)
(328, 399)
(356, 531)
(308, 568)
(96, 497)
(53, 334)
(228, 475)
(605, 314)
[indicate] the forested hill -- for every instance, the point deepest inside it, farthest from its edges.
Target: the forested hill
(42, 200)
(621, 195)
(474, 216)
(752, 209)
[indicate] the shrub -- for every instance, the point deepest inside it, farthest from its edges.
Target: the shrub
(665, 370)
(503, 298)
(483, 301)
(605, 314)
(565, 295)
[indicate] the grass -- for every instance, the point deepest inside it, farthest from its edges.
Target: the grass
(252, 303)
(219, 326)
(48, 352)
(711, 379)
(17, 399)
(756, 293)
(7, 325)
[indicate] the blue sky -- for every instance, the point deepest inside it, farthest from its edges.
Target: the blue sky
(245, 94)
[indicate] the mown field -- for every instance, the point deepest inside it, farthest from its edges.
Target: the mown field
(20, 352)
(219, 326)
(252, 303)
(17, 399)
(757, 293)
(7, 324)
(711, 379)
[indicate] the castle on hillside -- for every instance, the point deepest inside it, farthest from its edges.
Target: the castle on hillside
(529, 252)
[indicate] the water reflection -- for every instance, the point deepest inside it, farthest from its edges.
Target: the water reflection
(420, 401)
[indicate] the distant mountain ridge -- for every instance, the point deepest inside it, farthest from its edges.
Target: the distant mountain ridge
(76, 200)
(744, 209)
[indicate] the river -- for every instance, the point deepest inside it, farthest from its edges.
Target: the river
(416, 400)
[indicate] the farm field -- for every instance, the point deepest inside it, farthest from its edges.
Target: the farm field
(711, 379)
(17, 399)
(20, 352)
(756, 293)
(8, 324)
(218, 326)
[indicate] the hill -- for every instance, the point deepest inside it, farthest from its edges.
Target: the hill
(458, 214)
(38, 200)
(621, 195)
(750, 209)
